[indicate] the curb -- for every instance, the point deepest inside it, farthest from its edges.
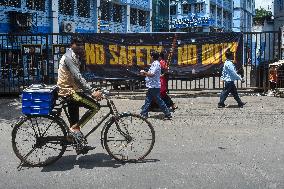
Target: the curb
(183, 94)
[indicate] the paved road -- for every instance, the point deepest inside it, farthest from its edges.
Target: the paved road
(202, 147)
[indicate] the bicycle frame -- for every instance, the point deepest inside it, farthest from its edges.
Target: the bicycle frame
(112, 115)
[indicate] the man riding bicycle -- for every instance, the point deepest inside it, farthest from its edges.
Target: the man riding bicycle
(78, 92)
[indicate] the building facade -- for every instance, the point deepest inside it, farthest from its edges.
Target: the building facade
(278, 14)
(75, 16)
(201, 15)
(161, 13)
(244, 10)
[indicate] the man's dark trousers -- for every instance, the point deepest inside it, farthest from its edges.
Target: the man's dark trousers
(154, 93)
(230, 87)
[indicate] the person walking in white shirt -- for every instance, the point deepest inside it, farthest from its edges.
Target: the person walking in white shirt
(153, 84)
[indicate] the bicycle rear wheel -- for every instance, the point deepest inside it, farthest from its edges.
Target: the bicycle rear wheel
(130, 138)
(39, 140)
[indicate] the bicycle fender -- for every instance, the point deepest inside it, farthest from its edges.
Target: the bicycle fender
(19, 120)
(103, 131)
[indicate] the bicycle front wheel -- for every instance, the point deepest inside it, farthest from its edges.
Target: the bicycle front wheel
(39, 140)
(129, 138)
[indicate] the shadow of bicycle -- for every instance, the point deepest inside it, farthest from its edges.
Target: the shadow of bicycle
(87, 162)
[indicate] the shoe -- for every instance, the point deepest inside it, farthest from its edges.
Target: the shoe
(221, 105)
(144, 116)
(174, 107)
(77, 135)
(242, 104)
(168, 117)
(79, 139)
(85, 150)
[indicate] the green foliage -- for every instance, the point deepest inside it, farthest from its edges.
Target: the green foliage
(261, 15)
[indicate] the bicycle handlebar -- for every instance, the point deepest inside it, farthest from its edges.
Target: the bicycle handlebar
(105, 93)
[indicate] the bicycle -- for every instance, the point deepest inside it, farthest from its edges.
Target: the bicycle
(48, 136)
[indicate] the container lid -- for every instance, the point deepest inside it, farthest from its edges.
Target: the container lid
(40, 88)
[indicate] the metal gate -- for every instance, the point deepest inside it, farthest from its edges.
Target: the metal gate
(259, 50)
(27, 59)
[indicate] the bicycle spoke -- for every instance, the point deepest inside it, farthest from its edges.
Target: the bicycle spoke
(38, 127)
(47, 128)
(30, 134)
(29, 153)
(131, 139)
(33, 127)
(41, 150)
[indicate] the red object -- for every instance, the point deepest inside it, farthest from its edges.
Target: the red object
(163, 79)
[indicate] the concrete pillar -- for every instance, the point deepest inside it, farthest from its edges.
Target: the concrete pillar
(216, 16)
(178, 8)
(192, 8)
(222, 20)
(98, 14)
(23, 6)
(150, 16)
(128, 28)
(206, 10)
(54, 17)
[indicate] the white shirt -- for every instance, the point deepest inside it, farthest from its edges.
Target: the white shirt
(154, 81)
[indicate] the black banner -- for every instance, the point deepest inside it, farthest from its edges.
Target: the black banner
(190, 55)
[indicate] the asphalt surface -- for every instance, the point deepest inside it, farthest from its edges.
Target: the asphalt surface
(201, 147)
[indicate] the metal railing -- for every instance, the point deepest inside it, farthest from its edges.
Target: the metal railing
(27, 59)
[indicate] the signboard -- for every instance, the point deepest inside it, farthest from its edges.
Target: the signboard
(28, 49)
(189, 55)
(59, 49)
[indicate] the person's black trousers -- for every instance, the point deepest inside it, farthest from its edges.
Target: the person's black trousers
(229, 87)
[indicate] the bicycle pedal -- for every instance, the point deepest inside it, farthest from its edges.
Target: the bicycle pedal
(70, 138)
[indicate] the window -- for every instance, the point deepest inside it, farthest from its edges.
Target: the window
(142, 17)
(117, 13)
(105, 10)
(12, 3)
(133, 16)
(225, 15)
(83, 8)
(198, 8)
(173, 9)
(212, 10)
(280, 4)
(36, 4)
(186, 8)
(66, 7)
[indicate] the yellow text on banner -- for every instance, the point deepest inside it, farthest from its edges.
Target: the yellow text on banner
(187, 55)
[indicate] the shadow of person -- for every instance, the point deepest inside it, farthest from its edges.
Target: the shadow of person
(85, 162)
(97, 160)
(158, 116)
(88, 162)
(232, 106)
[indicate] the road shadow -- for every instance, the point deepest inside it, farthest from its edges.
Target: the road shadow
(87, 162)
(10, 109)
(232, 106)
(159, 116)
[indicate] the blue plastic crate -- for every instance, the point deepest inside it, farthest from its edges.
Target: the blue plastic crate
(37, 103)
(38, 100)
(36, 111)
(35, 95)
